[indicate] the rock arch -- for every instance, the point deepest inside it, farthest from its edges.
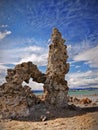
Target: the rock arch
(23, 72)
(15, 99)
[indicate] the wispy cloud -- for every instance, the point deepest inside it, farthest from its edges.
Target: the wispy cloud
(77, 66)
(78, 48)
(36, 54)
(89, 56)
(4, 34)
(87, 78)
(83, 79)
(38, 59)
(4, 26)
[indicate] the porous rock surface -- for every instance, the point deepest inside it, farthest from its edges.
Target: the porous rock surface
(55, 86)
(16, 100)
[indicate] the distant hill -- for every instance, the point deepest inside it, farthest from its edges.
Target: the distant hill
(73, 89)
(83, 88)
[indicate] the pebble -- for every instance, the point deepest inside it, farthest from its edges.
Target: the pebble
(43, 118)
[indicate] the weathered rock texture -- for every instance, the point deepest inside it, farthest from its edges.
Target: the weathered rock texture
(15, 100)
(55, 86)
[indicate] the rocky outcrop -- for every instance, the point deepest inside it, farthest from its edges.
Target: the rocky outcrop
(55, 86)
(23, 72)
(15, 100)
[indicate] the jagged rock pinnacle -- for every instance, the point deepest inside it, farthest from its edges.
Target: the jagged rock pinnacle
(56, 86)
(56, 36)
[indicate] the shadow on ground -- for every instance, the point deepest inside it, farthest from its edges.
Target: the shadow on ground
(45, 112)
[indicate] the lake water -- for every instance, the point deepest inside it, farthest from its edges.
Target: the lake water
(83, 92)
(74, 92)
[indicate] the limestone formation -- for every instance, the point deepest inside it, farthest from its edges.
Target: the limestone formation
(16, 100)
(23, 72)
(55, 86)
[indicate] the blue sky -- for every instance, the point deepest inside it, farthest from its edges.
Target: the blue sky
(25, 29)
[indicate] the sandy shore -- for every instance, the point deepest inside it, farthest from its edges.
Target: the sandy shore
(73, 118)
(88, 121)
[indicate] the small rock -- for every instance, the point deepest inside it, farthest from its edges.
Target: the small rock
(94, 104)
(43, 118)
(85, 101)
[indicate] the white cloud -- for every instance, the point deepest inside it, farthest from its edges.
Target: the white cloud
(31, 48)
(36, 54)
(38, 59)
(83, 79)
(4, 34)
(34, 85)
(78, 48)
(2, 73)
(90, 57)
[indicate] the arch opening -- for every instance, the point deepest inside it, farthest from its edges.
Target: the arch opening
(36, 88)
